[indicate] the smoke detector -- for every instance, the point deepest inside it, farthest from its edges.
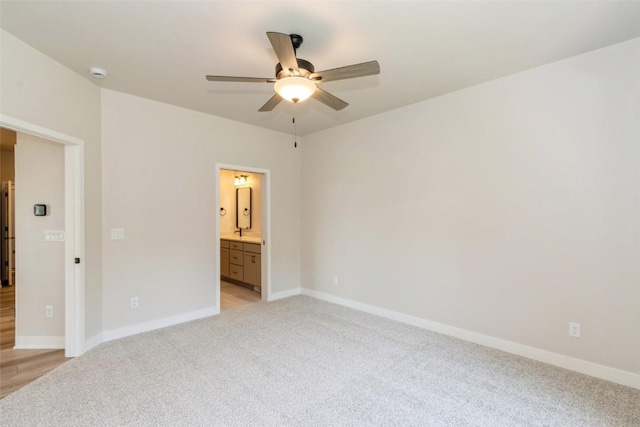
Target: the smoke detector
(98, 73)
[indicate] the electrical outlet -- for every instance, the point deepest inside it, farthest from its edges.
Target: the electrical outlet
(117, 233)
(574, 329)
(134, 302)
(48, 311)
(335, 280)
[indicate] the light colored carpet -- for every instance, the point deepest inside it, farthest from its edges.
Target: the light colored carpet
(304, 362)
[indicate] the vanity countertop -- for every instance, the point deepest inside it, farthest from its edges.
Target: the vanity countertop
(246, 239)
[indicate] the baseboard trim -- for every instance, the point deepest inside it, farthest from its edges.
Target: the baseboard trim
(93, 342)
(284, 294)
(39, 343)
(157, 324)
(618, 376)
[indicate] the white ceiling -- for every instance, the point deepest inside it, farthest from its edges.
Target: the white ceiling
(163, 50)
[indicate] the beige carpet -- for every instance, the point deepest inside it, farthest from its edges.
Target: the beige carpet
(303, 362)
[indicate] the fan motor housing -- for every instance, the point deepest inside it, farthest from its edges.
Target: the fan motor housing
(296, 40)
(305, 67)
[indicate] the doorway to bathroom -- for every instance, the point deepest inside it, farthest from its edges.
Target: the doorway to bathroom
(242, 229)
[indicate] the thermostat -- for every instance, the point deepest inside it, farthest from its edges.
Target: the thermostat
(40, 210)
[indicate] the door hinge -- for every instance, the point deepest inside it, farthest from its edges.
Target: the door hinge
(77, 260)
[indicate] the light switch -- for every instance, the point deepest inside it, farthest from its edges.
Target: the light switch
(54, 235)
(117, 233)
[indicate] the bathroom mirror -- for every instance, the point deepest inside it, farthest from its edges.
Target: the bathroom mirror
(243, 207)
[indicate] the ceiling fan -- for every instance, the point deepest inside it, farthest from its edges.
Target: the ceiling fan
(296, 78)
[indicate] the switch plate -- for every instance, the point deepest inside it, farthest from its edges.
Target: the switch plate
(48, 311)
(54, 235)
(335, 280)
(117, 233)
(574, 329)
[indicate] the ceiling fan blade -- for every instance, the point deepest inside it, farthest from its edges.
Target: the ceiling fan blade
(284, 51)
(271, 103)
(240, 79)
(350, 71)
(328, 99)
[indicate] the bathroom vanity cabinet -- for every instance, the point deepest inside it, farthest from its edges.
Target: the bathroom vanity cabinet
(252, 264)
(224, 258)
(241, 262)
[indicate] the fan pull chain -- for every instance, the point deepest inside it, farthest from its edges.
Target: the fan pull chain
(295, 128)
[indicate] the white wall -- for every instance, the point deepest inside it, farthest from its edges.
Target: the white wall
(160, 179)
(38, 90)
(39, 264)
(509, 209)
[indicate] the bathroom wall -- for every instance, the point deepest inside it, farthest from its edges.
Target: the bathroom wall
(228, 201)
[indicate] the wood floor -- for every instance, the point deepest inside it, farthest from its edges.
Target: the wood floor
(233, 296)
(19, 367)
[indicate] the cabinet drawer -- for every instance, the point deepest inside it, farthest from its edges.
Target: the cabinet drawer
(235, 257)
(235, 245)
(252, 247)
(224, 243)
(236, 272)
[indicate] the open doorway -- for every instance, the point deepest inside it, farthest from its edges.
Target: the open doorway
(32, 217)
(32, 267)
(7, 233)
(72, 309)
(242, 229)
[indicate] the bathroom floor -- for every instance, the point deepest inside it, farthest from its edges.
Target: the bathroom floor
(233, 296)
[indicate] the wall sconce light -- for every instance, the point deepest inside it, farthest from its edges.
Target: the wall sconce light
(240, 180)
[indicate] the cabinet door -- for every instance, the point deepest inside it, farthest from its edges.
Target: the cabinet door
(252, 269)
(224, 262)
(257, 261)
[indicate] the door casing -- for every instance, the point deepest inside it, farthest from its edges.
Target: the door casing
(74, 228)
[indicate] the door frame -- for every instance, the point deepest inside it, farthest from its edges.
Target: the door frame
(265, 189)
(74, 319)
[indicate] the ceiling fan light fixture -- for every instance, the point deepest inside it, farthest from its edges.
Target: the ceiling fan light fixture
(295, 89)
